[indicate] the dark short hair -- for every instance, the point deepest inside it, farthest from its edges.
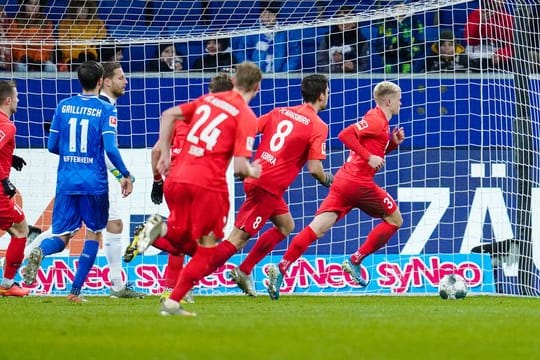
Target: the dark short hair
(89, 74)
(108, 69)
(313, 86)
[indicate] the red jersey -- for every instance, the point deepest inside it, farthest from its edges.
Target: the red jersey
(180, 132)
(373, 133)
(221, 126)
(7, 144)
(290, 137)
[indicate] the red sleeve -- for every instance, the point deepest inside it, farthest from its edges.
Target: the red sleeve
(349, 137)
(317, 148)
(391, 146)
(245, 135)
(472, 28)
(263, 120)
(188, 109)
(7, 133)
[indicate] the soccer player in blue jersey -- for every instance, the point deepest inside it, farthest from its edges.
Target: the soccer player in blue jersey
(82, 132)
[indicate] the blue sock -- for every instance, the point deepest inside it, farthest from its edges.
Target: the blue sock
(52, 245)
(86, 261)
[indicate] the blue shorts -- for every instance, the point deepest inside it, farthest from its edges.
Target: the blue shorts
(70, 211)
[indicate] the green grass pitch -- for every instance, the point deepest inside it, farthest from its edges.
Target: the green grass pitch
(295, 327)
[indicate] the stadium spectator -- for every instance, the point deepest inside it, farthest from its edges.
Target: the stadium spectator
(354, 187)
(5, 51)
(111, 53)
(166, 59)
(82, 24)
(447, 55)
(82, 189)
(345, 49)
(272, 50)
(114, 86)
(30, 24)
(218, 57)
(400, 40)
(489, 35)
(196, 188)
(12, 217)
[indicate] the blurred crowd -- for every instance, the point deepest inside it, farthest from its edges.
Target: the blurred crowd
(402, 42)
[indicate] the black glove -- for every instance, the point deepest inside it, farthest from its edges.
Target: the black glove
(328, 179)
(9, 188)
(157, 192)
(17, 162)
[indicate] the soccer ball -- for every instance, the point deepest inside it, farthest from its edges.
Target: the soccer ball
(452, 287)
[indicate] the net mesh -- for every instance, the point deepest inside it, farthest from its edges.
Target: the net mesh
(465, 179)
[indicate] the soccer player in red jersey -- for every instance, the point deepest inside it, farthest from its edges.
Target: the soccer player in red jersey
(12, 218)
(175, 263)
(222, 127)
(291, 136)
(354, 187)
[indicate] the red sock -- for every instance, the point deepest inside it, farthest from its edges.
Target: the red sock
(175, 265)
(297, 247)
(162, 243)
(193, 272)
(223, 252)
(266, 243)
(376, 239)
(14, 256)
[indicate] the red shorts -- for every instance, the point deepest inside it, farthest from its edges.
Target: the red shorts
(10, 213)
(369, 197)
(259, 206)
(194, 211)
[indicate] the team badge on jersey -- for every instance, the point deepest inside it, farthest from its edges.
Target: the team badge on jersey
(362, 124)
(113, 121)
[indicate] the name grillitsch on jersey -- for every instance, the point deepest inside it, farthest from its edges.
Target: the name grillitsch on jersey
(81, 110)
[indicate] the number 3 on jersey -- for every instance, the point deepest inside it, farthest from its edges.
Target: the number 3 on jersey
(209, 133)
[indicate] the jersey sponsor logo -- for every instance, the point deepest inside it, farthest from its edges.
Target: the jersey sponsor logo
(362, 124)
(249, 143)
(113, 121)
(2, 135)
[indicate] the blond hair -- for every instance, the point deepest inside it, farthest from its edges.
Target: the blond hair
(383, 89)
(247, 76)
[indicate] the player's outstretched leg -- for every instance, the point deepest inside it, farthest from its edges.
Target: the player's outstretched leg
(153, 228)
(355, 272)
(275, 279)
(244, 281)
(31, 268)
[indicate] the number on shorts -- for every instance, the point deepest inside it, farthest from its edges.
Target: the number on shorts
(257, 222)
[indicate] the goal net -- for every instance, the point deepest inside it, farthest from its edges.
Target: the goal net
(465, 179)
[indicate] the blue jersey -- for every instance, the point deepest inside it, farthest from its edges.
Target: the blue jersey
(83, 128)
